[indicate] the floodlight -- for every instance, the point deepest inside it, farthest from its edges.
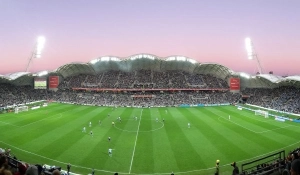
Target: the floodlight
(39, 46)
(251, 53)
(37, 51)
(249, 48)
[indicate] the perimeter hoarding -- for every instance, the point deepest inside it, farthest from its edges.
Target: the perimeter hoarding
(234, 84)
(53, 82)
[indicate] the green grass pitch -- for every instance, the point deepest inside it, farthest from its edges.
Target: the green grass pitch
(53, 135)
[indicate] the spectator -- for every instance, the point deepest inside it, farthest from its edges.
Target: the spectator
(235, 170)
(295, 169)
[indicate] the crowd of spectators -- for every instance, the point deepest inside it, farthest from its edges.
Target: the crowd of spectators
(286, 98)
(144, 79)
(145, 98)
(13, 95)
(289, 165)
(11, 165)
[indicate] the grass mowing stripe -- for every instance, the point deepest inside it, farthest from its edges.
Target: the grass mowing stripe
(18, 136)
(95, 151)
(269, 125)
(268, 142)
(156, 149)
(247, 132)
(163, 158)
(137, 133)
(261, 125)
(51, 138)
(144, 163)
(20, 118)
(186, 156)
(196, 134)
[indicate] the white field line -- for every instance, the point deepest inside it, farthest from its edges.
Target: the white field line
(52, 116)
(237, 124)
(9, 124)
(256, 132)
(137, 133)
(35, 121)
(57, 161)
(180, 172)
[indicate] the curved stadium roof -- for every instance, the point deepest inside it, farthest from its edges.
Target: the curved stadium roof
(152, 62)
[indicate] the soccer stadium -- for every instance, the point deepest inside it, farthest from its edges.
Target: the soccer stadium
(144, 115)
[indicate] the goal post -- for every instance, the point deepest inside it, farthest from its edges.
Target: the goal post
(21, 109)
(262, 113)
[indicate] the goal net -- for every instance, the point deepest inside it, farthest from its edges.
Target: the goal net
(262, 112)
(21, 109)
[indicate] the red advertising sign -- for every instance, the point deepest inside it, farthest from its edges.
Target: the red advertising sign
(53, 81)
(235, 84)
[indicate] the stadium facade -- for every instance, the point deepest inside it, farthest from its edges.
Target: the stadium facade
(155, 63)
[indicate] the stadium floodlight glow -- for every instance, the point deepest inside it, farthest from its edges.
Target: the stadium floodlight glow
(37, 51)
(192, 61)
(251, 53)
(244, 75)
(249, 48)
(42, 73)
(94, 61)
(39, 46)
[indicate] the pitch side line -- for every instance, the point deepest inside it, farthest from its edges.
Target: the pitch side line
(237, 124)
(137, 133)
(182, 172)
(256, 132)
(54, 159)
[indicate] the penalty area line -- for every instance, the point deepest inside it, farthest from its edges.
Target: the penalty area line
(137, 133)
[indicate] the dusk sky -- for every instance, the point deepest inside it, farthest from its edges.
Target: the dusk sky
(204, 30)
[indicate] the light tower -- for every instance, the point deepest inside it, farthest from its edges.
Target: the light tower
(37, 51)
(251, 54)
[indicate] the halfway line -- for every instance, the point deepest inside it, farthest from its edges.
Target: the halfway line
(137, 133)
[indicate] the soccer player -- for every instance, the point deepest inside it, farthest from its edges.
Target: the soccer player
(90, 124)
(91, 133)
(135, 118)
(119, 119)
(83, 129)
(110, 152)
(156, 119)
(229, 117)
(217, 167)
(108, 139)
(68, 168)
(113, 123)
(163, 120)
(189, 125)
